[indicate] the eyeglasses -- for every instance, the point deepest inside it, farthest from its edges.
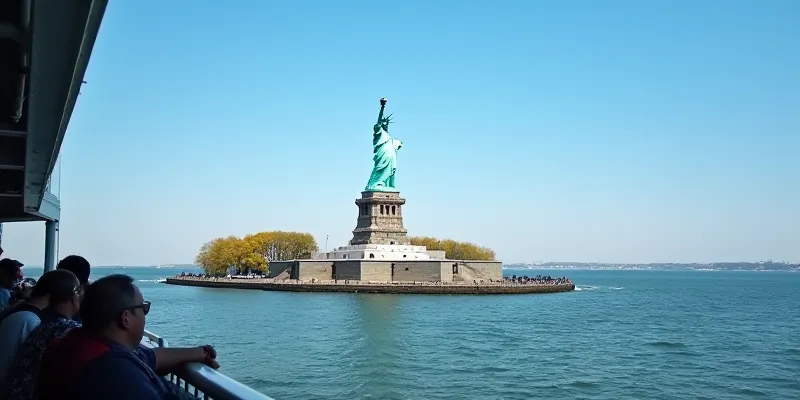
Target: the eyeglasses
(145, 306)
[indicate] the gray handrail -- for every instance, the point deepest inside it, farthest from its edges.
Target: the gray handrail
(217, 385)
(155, 339)
(214, 384)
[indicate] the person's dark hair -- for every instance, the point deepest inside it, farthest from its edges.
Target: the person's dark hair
(78, 266)
(105, 299)
(9, 269)
(60, 284)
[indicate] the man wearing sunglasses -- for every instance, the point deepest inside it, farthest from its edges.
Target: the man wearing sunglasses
(104, 359)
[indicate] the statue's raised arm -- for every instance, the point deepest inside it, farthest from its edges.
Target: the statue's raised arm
(383, 106)
(382, 122)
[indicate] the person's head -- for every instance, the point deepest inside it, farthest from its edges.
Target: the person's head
(42, 287)
(63, 290)
(10, 272)
(78, 266)
(114, 307)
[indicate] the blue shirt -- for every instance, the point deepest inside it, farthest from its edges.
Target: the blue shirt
(15, 327)
(5, 297)
(120, 374)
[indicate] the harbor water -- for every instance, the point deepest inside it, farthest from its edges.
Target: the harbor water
(620, 335)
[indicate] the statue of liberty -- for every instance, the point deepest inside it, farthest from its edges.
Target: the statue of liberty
(384, 155)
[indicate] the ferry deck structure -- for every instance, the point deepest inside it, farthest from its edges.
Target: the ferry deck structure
(45, 47)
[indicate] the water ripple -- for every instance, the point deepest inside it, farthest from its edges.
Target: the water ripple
(625, 335)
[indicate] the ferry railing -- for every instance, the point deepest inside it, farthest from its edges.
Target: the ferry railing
(201, 382)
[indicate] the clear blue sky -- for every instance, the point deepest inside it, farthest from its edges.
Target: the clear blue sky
(617, 131)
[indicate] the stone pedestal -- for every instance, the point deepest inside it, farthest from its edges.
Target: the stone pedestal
(380, 251)
(380, 219)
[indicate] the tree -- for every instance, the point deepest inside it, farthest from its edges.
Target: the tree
(222, 256)
(278, 245)
(455, 250)
(233, 255)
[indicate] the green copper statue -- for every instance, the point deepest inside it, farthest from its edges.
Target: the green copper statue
(384, 155)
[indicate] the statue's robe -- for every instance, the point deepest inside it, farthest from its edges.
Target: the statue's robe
(384, 160)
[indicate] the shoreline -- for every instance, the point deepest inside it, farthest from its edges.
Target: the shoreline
(371, 287)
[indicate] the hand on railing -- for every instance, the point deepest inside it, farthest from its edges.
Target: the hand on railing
(209, 356)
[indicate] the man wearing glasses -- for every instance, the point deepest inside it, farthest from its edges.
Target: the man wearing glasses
(104, 359)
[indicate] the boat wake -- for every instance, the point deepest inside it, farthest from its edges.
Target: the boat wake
(587, 287)
(159, 280)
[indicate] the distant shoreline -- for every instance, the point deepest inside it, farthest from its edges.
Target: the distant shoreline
(791, 268)
(513, 267)
(371, 287)
(538, 268)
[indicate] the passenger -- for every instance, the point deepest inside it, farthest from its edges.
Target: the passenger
(22, 291)
(78, 266)
(56, 321)
(17, 324)
(104, 359)
(10, 274)
(28, 285)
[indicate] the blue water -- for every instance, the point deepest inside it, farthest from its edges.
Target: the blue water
(622, 335)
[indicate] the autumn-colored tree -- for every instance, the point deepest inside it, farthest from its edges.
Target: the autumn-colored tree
(233, 255)
(222, 256)
(279, 245)
(455, 250)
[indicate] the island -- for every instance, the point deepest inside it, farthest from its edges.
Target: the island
(380, 257)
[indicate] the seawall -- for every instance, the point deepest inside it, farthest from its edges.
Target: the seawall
(372, 287)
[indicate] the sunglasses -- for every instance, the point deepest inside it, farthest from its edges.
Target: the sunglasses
(145, 306)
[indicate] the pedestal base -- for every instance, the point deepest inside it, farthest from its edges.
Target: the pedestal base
(380, 219)
(385, 252)
(376, 270)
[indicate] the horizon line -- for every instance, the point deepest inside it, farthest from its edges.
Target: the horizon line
(537, 263)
